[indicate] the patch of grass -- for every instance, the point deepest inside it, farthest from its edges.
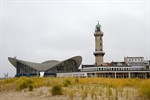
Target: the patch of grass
(94, 94)
(84, 93)
(7, 87)
(56, 90)
(67, 83)
(108, 92)
(71, 94)
(95, 86)
(127, 94)
(7, 81)
(30, 87)
(23, 82)
(77, 81)
(38, 81)
(144, 89)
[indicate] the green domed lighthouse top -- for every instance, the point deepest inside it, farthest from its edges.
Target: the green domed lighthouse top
(98, 26)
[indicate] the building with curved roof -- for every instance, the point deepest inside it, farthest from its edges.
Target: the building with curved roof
(50, 68)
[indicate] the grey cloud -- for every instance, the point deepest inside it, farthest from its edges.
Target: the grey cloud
(39, 31)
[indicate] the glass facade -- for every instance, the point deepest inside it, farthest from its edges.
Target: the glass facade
(67, 66)
(24, 70)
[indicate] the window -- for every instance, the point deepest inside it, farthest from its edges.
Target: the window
(100, 44)
(139, 59)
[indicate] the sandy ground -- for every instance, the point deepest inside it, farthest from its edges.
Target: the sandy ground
(37, 94)
(43, 93)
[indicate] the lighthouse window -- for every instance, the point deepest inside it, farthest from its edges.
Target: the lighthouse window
(100, 44)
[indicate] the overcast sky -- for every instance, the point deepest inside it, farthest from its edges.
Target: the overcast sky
(40, 30)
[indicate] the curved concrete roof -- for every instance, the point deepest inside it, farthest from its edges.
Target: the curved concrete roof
(44, 65)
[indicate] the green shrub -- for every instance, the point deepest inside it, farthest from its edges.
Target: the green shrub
(56, 90)
(30, 87)
(77, 80)
(23, 82)
(67, 83)
(22, 85)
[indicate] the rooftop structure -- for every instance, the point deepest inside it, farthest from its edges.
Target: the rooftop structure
(134, 61)
(51, 67)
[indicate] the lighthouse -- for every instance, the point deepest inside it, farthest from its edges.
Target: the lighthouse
(99, 53)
